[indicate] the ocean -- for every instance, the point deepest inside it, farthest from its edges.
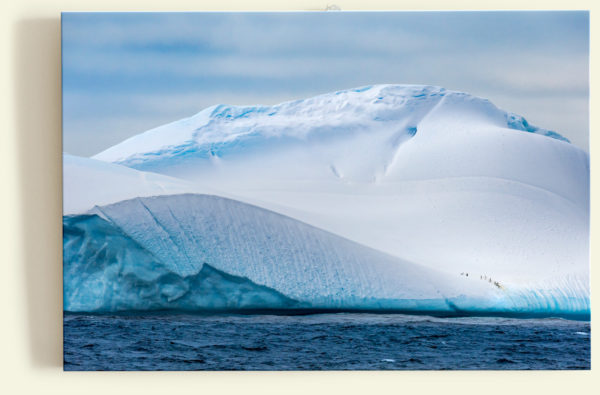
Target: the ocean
(342, 341)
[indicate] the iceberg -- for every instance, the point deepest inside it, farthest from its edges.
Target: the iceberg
(201, 252)
(380, 197)
(180, 234)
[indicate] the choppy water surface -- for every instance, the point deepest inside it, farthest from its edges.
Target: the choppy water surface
(321, 342)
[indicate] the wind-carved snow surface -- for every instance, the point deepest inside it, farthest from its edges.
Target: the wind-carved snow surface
(409, 173)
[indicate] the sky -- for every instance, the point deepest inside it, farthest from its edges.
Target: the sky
(125, 73)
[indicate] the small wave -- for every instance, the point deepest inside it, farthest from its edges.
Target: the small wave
(504, 360)
(254, 348)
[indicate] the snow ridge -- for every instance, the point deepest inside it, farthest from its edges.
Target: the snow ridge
(222, 130)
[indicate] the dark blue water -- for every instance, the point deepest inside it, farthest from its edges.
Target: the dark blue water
(321, 342)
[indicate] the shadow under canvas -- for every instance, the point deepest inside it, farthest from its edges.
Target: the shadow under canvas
(37, 95)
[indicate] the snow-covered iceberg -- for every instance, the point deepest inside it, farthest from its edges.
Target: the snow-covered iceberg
(397, 175)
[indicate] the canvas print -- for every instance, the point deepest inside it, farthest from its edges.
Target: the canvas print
(326, 191)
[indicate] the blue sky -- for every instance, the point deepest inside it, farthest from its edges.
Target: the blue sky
(124, 73)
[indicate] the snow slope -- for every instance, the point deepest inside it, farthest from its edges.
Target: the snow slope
(437, 177)
(198, 252)
(89, 182)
